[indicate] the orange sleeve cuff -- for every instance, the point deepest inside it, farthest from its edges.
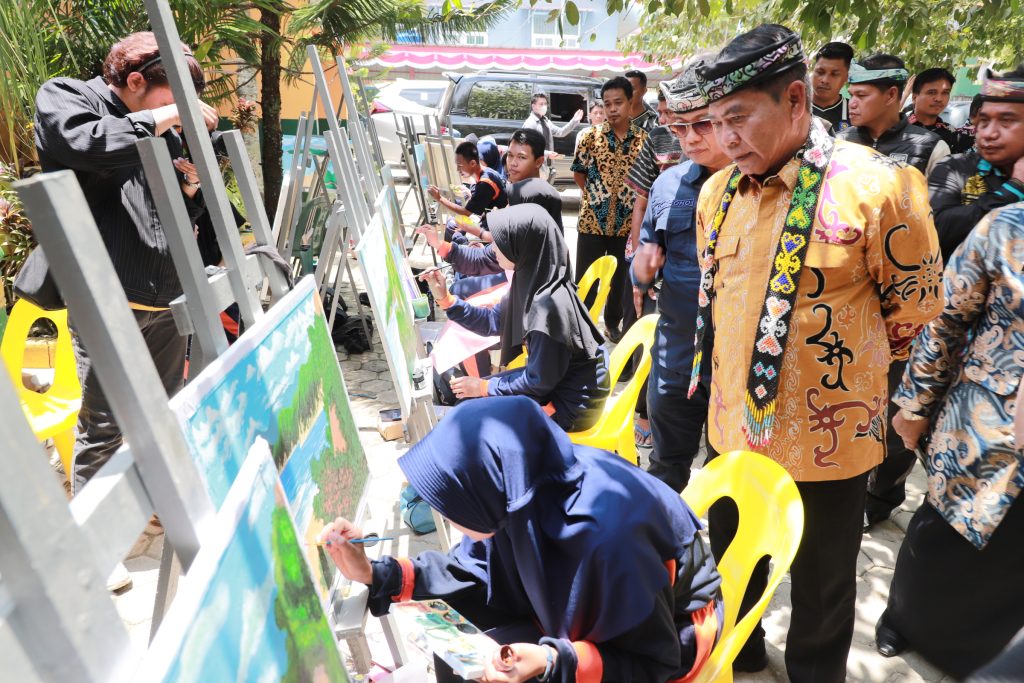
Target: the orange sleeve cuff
(446, 302)
(485, 385)
(444, 249)
(589, 666)
(408, 580)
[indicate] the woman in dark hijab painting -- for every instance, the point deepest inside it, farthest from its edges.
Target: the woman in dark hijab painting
(588, 567)
(565, 369)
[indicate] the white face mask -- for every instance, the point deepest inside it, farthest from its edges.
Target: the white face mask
(542, 110)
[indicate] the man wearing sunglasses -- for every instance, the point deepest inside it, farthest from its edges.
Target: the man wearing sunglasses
(668, 251)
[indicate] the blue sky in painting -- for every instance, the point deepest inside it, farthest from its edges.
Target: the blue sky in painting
(233, 637)
(243, 404)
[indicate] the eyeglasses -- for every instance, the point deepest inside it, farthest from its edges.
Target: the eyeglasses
(702, 127)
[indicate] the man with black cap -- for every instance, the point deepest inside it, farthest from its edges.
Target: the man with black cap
(810, 284)
(668, 250)
(876, 88)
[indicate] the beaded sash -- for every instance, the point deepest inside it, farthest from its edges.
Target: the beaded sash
(780, 296)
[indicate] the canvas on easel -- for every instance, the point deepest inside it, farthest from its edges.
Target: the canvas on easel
(388, 290)
(248, 611)
(281, 382)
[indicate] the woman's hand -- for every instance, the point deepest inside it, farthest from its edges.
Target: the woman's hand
(469, 387)
(515, 663)
(188, 169)
(438, 284)
(909, 430)
(210, 116)
(429, 233)
(350, 558)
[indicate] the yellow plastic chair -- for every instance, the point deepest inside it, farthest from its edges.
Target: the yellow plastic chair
(614, 429)
(52, 414)
(601, 271)
(771, 523)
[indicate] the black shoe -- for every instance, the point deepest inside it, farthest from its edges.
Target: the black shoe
(752, 658)
(871, 519)
(888, 641)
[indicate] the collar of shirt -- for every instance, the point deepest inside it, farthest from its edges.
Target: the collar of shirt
(985, 167)
(938, 125)
(98, 86)
(613, 141)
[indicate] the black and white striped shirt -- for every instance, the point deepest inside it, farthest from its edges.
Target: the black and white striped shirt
(85, 127)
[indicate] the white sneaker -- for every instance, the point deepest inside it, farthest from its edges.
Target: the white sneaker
(119, 579)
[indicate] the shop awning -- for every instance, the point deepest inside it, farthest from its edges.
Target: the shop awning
(455, 58)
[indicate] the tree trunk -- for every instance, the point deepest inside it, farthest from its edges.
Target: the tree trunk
(247, 89)
(270, 103)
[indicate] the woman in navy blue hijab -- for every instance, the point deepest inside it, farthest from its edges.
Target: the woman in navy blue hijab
(589, 567)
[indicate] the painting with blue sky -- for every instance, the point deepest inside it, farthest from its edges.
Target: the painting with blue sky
(281, 382)
(248, 611)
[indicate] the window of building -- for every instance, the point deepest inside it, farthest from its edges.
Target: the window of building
(508, 100)
(472, 39)
(544, 33)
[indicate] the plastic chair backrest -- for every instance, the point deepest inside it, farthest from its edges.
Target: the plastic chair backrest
(603, 272)
(613, 430)
(771, 522)
(65, 393)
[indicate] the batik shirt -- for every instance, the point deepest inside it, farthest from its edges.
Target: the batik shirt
(870, 281)
(607, 203)
(964, 375)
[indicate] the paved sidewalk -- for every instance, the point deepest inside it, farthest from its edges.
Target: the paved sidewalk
(370, 388)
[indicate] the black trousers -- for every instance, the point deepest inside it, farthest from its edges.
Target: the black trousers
(589, 248)
(97, 435)
(677, 424)
(823, 576)
(887, 487)
(958, 606)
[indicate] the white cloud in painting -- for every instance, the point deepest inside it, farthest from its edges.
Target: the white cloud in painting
(203, 635)
(255, 605)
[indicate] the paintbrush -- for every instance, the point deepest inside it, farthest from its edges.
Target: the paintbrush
(428, 271)
(369, 541)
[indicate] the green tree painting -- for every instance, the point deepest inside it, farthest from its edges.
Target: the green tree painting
(312, 651)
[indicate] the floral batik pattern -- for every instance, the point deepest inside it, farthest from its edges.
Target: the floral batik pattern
(964, 374)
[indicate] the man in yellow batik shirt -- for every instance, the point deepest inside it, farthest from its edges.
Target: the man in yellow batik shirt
(820, 264)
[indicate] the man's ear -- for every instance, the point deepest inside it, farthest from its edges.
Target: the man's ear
(796, 96)
(135, 82)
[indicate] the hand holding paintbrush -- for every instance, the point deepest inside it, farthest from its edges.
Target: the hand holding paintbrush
(337, 539)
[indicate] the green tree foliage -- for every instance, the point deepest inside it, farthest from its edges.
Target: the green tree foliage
(923, 32)
(312, 651)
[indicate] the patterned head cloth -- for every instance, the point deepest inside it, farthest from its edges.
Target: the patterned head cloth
(684, 94)
(858, 74)
(734, 70)
(1001, 88)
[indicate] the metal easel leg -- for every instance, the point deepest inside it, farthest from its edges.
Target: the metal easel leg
(166, 587)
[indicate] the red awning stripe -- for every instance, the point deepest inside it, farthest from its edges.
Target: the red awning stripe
(505, 59)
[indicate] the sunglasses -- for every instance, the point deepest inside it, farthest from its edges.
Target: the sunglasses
(702, 127)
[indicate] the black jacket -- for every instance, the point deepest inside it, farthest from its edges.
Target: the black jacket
(85, 127)
(904, 142)
(961, 190)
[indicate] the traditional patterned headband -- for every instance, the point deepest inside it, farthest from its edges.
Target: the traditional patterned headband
(683, 96)
(858, 74)
(747, 70)
(995, 89)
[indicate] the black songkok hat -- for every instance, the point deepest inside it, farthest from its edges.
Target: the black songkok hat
(734, 68)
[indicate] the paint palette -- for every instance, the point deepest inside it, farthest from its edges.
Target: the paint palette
(434, 627)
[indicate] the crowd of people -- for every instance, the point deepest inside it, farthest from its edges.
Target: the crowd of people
(837, 271)
(840, 284)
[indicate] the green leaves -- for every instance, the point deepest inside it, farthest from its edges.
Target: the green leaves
(922, 32)
(572, 13)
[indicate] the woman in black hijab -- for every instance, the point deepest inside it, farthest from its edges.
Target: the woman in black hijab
(565, 370)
